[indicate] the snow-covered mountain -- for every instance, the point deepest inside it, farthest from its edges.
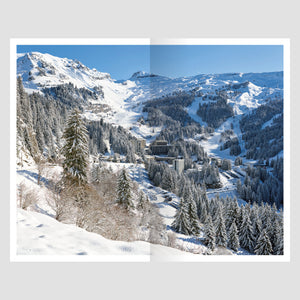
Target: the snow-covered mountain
(44, 70)
(246, 91)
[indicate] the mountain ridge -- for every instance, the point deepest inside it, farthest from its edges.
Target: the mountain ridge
(245, 91)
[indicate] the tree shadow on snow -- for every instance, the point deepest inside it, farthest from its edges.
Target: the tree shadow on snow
(32, 176)
(194, 240)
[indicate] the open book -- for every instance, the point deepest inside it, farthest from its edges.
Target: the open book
(144, 149)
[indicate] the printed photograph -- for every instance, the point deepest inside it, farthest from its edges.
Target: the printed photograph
(149, 152)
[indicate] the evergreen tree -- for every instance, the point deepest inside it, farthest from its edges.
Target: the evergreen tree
(209, 234)
(130, 157)
(233, 240)
(221, 235)
(226, 164)
(182, 182)
(143, 202)
(157, 179)
(238, 161)
(96, 173)
(75, 150)
(240, 219)
(181, 223)
(275, 238)
(25, 130)
(124, 197)
(102, 145)
(168, 180)
(232, 213)
(263, 246)
(246, 234)
(269, 227)
(193, 218)
(247, 180)
(279, 244)
(239, 187)
(257, 228)
(204, 213)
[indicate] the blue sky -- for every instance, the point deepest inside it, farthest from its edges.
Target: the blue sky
(122, 61)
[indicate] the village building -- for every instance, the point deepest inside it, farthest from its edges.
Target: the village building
(167, 159)
(178, 165)
(141, 144)
(159, 147)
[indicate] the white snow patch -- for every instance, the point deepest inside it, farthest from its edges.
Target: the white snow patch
(192, 111)
(38, 234)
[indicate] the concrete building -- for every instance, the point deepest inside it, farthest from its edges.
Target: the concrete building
(178, 165)
(141, 144)
(160, 147)
(148, 158)
(167, 159)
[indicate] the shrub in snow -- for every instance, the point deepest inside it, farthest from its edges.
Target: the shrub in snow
(26, 197)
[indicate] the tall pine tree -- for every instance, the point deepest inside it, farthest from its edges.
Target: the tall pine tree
(209, 233)
(181, 223)
(220, 228)
(263, 246)
(75, 150)
(193, 218)
(124, 197)
(247, 239)
(233, 240)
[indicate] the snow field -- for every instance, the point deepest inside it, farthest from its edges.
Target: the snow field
(39, 234)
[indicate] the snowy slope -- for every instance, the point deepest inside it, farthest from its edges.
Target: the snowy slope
(40, 71)
(38, 234)
(125, 98)
(44, 70)
(254, 84)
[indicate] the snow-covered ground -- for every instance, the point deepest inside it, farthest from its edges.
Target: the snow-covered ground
(192, 111)
(39, 234)
(212, 144)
